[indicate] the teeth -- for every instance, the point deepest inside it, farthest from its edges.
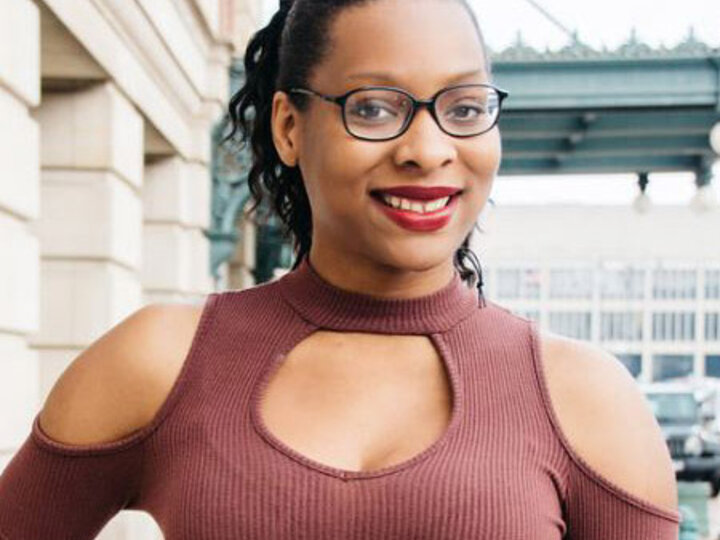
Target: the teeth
(415, 206)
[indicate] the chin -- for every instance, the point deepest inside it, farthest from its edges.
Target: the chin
(417, 260)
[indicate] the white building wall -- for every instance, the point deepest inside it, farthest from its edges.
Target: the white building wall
(104, 181)
(552, 232)
(545, 240)
(19, 207)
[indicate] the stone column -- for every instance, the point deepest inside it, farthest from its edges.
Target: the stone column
(90, 227)
(19, 207)
(176, 252)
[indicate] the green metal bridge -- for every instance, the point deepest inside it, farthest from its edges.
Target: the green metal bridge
(634, 109)
(578, 110)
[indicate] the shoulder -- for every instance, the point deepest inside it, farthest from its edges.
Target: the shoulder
(119, 382)
(606, 418)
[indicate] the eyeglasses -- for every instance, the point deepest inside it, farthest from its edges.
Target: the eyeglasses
(382, 113)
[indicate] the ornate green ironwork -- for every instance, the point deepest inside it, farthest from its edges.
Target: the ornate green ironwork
(632, 48)
(230, 194)
(632, 109)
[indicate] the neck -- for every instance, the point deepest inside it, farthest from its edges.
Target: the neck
(323, 304)
(376, 279)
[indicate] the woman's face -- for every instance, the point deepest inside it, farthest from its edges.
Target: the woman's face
(421, 46)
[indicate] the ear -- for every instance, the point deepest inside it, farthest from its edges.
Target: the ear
(285, 132)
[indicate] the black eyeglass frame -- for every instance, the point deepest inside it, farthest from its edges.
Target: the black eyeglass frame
(429, 104)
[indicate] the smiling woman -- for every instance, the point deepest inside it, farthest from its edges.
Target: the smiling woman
(310, 156)
(369, 393)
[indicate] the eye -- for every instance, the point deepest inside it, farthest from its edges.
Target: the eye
(466, 113)
(462, 111)
(369, 110)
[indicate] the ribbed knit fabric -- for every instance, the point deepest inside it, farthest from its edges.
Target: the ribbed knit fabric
(207, 468)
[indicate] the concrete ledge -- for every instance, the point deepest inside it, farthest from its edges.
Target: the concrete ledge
(19, 277)
(166, 257)
(112, 30)
(90, 214)
(81, 300)
(177, 191)
(20, 49)
(19, 390)
(94, 128)
(176, 260)
(19, 156)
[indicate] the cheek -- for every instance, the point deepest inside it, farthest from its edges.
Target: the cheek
(483, 155)
(482, 159)
(337, 167)
(337, 176)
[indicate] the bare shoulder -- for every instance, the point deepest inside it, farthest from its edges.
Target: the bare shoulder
(606, 418)
(116, 385)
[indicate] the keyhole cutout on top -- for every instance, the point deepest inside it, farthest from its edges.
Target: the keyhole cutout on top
(358, 402)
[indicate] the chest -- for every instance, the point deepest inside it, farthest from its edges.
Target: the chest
(326, 438)
(461, 494)
(357, 401)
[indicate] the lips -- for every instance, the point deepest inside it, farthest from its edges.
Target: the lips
(418, 193)
(419, 222)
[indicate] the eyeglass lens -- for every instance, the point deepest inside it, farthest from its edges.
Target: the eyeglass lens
(382, 113)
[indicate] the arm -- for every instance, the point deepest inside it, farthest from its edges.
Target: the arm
(82, 462)
(621, 483)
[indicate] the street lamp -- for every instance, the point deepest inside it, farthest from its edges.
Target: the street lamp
(642, 202)
(715, 138)
(705, 197)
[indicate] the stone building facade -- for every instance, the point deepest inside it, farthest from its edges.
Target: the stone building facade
(107, 108)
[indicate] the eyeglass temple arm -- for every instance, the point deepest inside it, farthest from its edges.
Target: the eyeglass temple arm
(331, 99)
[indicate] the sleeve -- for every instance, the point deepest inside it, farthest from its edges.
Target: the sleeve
(50, 490)
(594, 507)
(597, 509)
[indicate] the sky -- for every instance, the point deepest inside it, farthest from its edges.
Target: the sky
(608, 23)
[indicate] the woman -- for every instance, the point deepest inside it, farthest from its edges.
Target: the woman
(369, 392)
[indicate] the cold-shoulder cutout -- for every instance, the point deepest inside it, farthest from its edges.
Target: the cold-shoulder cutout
(605, 423)
(118, 389)
(86, 456)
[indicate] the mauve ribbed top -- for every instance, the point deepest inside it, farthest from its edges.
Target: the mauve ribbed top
(207, 468)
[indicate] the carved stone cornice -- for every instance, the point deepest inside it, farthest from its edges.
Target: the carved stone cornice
(632, 48)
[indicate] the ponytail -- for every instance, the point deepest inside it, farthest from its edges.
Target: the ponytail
(250, 112)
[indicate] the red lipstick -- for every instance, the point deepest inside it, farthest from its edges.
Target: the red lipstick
(416, 221)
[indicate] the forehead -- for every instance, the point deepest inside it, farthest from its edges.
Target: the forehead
(416, 44)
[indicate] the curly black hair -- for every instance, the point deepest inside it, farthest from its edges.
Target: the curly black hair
(283, 55)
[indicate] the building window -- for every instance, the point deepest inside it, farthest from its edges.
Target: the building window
(673, 326)
(573, 324)
(712, 326)
(712, 365)
(519, 283)
(632, 361)
(712, 284)
(621, 326)
(667, 366)
(625, 283)
(571, 283)
(674, 284)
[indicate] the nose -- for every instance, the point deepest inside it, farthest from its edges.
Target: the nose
(424, 145)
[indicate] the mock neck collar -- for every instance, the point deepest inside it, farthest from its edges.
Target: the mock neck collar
(327, 306)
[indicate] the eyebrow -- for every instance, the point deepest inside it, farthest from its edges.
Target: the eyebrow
(386, 77)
